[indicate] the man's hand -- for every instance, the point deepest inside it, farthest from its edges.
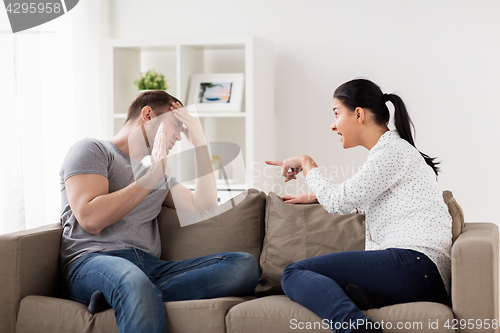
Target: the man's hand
(192, 131)
(159, 158)
(307, 198)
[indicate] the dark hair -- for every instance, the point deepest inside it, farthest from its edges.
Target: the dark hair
(366, 94)
(158, 100)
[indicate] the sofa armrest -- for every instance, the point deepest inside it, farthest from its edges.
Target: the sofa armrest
(474, 274)
(29, 262)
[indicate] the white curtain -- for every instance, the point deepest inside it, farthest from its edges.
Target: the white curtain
(52, 93)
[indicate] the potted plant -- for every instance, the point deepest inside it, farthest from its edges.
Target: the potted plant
(151, 80)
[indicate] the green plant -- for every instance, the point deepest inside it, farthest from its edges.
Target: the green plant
(151, 80)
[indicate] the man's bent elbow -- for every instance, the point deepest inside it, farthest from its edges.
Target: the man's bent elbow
(90, 226)
(89, 220)
(94, 231)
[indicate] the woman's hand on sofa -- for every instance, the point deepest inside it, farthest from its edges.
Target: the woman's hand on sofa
(307, 198)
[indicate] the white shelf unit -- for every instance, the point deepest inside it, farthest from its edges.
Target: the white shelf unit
(252, 129)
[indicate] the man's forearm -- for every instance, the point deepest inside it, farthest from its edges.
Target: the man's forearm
(205, 193)
(107, 209)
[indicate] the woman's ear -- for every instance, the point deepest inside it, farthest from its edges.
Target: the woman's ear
(360, 114)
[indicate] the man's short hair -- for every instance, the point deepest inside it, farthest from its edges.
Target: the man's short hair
(158, 100)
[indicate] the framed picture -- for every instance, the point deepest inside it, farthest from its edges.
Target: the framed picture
(216, 92)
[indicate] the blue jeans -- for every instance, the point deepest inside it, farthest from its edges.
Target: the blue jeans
(397, 275)
(136, 283)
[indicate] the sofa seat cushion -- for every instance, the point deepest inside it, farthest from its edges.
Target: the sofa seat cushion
(48, 314)
(412, 314)
(276, 314)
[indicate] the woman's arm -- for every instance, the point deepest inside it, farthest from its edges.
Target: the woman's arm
(382, 170)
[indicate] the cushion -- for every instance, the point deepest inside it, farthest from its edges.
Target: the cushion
(280, 314)
(296, 232)
(457, 214)
(222, 229)
(414, 317)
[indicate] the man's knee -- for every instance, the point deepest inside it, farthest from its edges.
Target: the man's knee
(245, 270)
(247, 260)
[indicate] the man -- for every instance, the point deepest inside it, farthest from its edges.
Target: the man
(110, 203)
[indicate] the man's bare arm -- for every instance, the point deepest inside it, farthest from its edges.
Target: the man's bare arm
(205, 194)
(205, 190)
(95, 208)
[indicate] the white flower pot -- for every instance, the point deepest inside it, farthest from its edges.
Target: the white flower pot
(141, 91)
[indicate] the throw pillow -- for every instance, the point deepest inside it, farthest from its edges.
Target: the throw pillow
(457, 215)
(223, 229)
(296, 232)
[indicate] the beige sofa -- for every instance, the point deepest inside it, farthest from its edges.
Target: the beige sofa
(259, 224)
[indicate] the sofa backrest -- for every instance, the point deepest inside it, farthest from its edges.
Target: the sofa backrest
(274, 232)
(292, 233)
(222, 229)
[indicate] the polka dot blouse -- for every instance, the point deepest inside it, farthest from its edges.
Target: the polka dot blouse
(399, 195)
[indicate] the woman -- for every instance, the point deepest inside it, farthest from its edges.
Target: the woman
(408, 227)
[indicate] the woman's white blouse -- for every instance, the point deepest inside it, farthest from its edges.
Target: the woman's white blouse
(403, 205)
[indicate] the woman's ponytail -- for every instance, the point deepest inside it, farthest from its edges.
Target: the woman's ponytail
(404, 126)
(402, 119)
(366, 94)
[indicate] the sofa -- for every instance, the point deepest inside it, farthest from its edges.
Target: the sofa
(276, 234)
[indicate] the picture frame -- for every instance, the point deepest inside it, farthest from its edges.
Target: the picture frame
(216, 92)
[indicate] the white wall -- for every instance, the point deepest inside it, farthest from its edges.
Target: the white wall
(442, 57)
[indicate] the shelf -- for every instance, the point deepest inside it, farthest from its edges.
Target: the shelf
(221, 114)
(232, 187)
(214, 42)
(199, 115)
(179, 59)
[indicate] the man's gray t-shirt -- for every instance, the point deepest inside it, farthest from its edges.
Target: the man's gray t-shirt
(138, 229)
